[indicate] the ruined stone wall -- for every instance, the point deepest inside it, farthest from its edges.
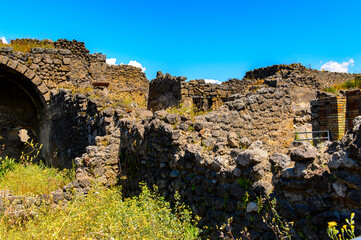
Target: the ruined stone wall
(299, 75)
(77, 48)
(222, 178)
(70, 66)
(75, 123)
(167, 91)
(128, 83)
(303, 84)
(219, 172)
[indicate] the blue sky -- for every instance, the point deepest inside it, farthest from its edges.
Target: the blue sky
(199, 39)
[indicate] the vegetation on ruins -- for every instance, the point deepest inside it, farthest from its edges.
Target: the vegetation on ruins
(187, 110)
(349, 84)
(347, 231)
(18, 177)
(26, 44)
(102, 214)
(33, 179)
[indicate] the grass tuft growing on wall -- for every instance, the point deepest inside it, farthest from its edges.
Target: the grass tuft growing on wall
(350, 84)
(26, 44)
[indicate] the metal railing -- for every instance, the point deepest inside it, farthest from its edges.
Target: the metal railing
(316, 138)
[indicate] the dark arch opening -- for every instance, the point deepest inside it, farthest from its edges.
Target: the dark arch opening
(22, 107)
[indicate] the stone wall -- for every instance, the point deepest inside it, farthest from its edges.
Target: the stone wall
(168, 91)
(69, 66)
(220, 171)
(128, 83)
(298, 75)
(77, 48)
(165, 91)
(302, 82)
(222, 178)
(222, 163)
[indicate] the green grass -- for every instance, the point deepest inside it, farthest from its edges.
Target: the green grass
(33, 179)
(104, 214)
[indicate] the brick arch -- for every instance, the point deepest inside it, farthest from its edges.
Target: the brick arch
(26, 72)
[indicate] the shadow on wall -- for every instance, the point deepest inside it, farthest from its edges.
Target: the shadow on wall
(22, 109)
(75, 122)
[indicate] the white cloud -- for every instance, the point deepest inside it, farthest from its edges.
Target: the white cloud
(337, 67)
(111, 61)
(137, 64)
(4, 40)
(212, 81)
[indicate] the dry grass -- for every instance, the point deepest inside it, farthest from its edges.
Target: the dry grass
(25, 45)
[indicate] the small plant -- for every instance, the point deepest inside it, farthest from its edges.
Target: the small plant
(32, 151)
(260, 201)
(330, 90)
(244, 183)
(190, 128)
(347, 231)
(245, 200)
(226, 232)
(276, 223)
(6, 165)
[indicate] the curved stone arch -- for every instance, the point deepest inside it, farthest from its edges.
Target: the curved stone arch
(38, 94)
(40, 86)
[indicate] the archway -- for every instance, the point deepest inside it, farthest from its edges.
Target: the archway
(23, 111)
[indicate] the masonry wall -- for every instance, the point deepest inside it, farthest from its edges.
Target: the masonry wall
(330, 113)
(167, 91)
(215, 169)
(69, 65)
(336, 113)
(353, 106)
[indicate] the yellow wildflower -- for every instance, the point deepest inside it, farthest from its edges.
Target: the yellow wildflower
(332, 224)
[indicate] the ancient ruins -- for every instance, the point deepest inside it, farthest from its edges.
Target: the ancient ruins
(116, 127)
